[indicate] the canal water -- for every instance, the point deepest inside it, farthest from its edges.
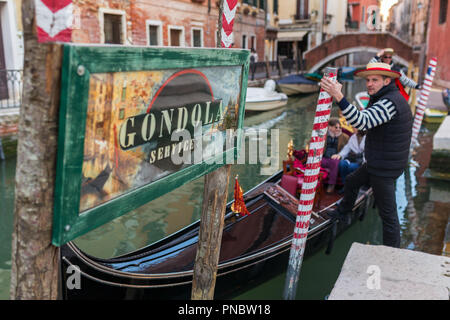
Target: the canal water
(423, 206)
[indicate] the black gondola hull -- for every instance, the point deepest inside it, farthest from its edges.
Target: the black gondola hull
(145, 274)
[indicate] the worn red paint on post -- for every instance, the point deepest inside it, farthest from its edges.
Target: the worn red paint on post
(228, 14)
(54, 20)
(310, 181)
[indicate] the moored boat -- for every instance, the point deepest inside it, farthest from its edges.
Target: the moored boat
(434, 115)
(314, 76)
(346, 73)
(264, 99)
(254, 248)
(297, 84)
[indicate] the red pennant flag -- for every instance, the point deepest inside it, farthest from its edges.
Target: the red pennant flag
(238, 205)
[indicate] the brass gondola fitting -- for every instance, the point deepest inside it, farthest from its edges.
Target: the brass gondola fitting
(290, 150)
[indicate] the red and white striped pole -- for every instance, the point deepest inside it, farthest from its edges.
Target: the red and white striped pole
(316, 146)
(228, 14)
(54, 20)
(423, 100)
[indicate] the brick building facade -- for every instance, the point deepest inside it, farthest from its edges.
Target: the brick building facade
(358, 13)
(438, 39)
(162, 23)
(185, 23)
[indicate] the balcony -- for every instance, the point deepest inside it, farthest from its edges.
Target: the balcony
(353, 24)
(10, 88)
(301, 18)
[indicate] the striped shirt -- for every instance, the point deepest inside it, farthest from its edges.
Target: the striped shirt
(379, 113)
(404, 80)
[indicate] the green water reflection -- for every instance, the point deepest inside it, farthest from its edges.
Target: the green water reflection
(7, 172)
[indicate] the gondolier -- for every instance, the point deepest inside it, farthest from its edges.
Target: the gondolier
(388, 121)
(386, 56)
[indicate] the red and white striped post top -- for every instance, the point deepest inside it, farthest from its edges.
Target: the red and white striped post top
(423, 100)
(306, 202)
(54, 20)
(228, 14)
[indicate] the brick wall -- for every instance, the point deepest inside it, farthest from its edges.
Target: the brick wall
(376, 40)
(9, 121)
(185, 15)
(438, 45)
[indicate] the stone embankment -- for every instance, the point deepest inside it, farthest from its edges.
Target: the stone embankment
(384, 273)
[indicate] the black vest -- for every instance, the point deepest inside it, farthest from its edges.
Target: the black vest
(387, 146)
(332, 146)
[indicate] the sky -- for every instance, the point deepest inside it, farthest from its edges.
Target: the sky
(385, 5)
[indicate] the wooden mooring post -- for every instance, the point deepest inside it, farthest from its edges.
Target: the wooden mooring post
(35, 261)
(214, 202)
(210, 234)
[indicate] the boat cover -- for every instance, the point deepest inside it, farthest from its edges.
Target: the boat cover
(296, 79)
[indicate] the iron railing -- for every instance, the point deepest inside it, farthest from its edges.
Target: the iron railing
(271, 69)
(11, 82)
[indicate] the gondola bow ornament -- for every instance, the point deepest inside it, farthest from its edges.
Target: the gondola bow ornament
(238, 205)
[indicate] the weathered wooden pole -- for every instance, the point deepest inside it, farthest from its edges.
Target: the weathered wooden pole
(423, 100)
(35, 261)
(214, 194)
(306, 202)
(210, 234)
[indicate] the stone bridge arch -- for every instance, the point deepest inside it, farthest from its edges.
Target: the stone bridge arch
(344, 44)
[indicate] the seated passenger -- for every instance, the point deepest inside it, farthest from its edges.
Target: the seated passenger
(336, 140)
(352, 155)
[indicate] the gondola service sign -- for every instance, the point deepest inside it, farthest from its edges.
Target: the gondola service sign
(136, 123)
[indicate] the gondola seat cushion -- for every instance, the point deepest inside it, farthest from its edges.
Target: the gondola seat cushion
(289, 183)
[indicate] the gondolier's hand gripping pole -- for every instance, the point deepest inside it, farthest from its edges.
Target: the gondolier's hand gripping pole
(333, 88)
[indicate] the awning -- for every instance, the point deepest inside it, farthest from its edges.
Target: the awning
(291, 35)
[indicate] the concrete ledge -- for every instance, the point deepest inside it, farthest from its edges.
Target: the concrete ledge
(435, 100)
(441, 139)
(384, 273)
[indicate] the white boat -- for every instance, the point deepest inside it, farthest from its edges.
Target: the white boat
(264, 99)
(297, 84)
(434, 115)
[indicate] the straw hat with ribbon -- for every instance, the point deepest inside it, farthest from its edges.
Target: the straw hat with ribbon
(389, 51)
(378, 68)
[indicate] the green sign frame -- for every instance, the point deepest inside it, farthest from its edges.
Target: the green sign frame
(80, 63)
